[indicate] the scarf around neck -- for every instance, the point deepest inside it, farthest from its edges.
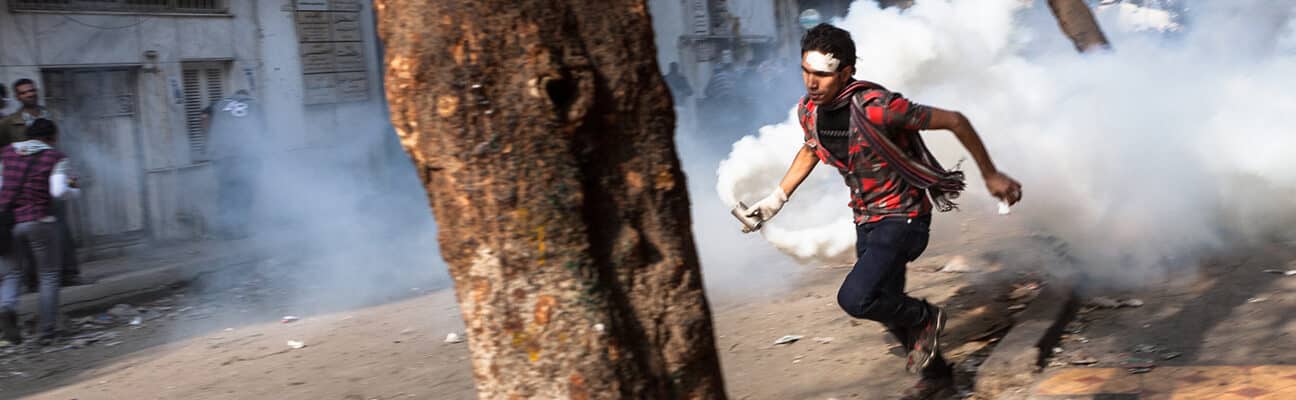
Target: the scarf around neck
(917, 167)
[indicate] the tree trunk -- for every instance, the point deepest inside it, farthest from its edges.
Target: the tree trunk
(1077, 22)
(543, 133)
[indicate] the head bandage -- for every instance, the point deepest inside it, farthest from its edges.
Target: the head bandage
(821, 62)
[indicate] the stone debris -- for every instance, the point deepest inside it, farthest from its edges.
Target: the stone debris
(1076, 327)
(1158, 351)
(1084, 361)
(1145, 348)
(123, 311)
(1104, 302)
(1107, 302)
(1138, 365)
(1024, 292)
(787, 339)
(958, 265)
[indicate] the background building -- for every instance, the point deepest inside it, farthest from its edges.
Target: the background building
(128, 80)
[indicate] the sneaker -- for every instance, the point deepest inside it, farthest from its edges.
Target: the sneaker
(9, 326)
(927, 342)
(930, 388)
(898, 341)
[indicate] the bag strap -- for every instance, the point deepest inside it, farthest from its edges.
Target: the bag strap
(21, 181)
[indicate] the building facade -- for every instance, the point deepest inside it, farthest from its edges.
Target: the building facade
(128, 80)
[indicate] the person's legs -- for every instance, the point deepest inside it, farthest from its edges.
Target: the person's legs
(894, 282)
(883, 248)
(11, 277)
(31, 280)
(874, 289)
(937, 367)
(937, 377)
(42, 238)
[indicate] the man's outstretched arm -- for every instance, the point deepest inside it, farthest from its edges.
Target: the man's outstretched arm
(802, 164)
(999, 185)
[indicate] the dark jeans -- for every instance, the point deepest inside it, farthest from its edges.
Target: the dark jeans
(71, 268)
(42, 241)
(875, 287)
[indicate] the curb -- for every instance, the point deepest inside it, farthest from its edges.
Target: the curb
(1017, 360)
(110, 290)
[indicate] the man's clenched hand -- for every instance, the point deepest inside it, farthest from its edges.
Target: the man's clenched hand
(1003, 187)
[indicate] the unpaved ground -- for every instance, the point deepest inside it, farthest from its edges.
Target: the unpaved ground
(396, 350)
(1229, 312)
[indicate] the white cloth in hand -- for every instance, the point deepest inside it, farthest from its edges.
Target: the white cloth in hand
(766, 208)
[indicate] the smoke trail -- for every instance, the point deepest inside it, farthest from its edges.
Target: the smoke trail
(343, 223)
(1142, 159)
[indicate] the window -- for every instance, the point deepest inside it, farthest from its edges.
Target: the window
(204, 84)
(144, 6)
(90, 92)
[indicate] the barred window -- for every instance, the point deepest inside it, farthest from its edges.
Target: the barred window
(204, 85)
(139, 6)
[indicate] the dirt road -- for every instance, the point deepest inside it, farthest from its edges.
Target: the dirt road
(185, 348)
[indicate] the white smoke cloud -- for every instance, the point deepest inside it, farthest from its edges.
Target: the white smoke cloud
(1133, 18)
(1134, 157)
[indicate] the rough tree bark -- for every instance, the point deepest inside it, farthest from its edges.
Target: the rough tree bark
(1077, 21)
(543, 132)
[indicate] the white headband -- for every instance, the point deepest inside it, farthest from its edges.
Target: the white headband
(822, 62)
